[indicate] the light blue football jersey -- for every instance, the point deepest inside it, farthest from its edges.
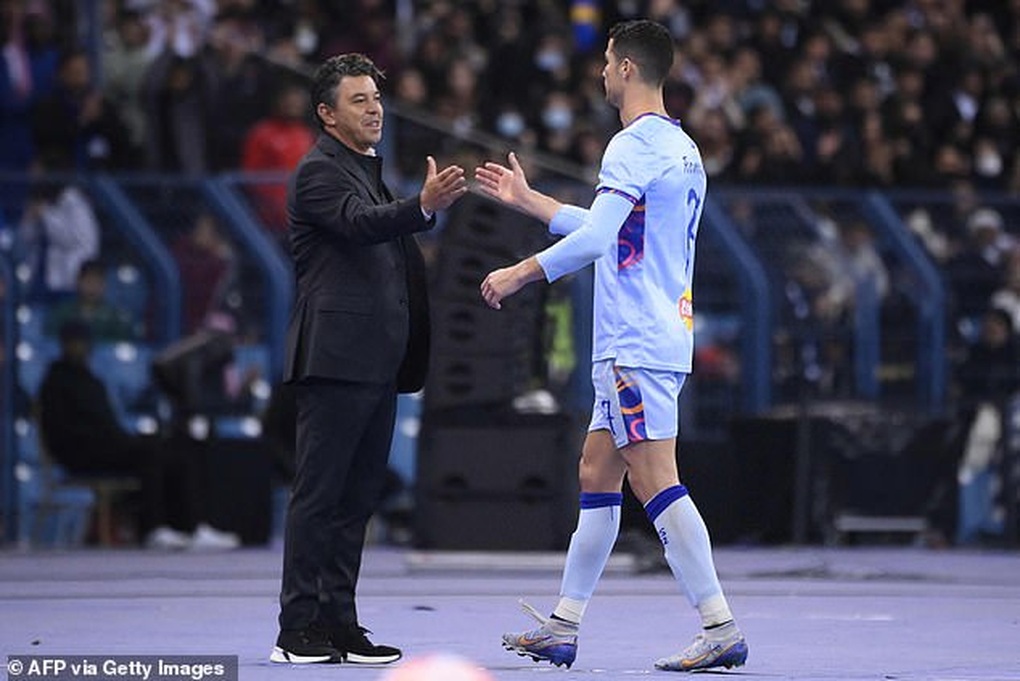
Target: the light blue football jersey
(643, 303)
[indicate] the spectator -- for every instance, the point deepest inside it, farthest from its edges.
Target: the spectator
(277, 144)
(508, 57)
(180, 27)
(976, 273)
(557, 123)
(77, 117)
(863, 264)
(772, 153)
(126, 60)
(27, 72)
(366, 29)
(748, 89)
(878, 160)
(82, 434)
(459, 102)
(179, 91)
(1007, 298)
(200, 376)
(58, 232)
(241, 81)
(988, 377)
(414, 140)
(106, 323)
(206, 263)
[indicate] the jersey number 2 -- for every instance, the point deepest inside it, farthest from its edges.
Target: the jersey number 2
(692, 229)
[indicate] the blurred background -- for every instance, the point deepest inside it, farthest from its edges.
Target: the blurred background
(857, 290)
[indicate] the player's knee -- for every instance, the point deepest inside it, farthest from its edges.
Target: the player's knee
(598, 476)
(649, 470)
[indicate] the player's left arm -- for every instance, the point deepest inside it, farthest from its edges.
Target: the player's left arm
(627, 168)
(581, 247)
(587, 244)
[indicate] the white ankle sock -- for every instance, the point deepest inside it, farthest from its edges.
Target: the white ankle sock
(688, 552)
(598, 523)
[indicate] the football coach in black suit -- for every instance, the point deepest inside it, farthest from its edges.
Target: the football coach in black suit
(357, 337)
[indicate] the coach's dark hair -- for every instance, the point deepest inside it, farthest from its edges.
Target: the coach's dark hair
(646, 43)
(328, 76)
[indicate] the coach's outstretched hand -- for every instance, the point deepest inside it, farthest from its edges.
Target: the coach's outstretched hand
(442, 187)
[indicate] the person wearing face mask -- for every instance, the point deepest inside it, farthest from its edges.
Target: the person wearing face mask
(510, 124)
(557, 123)
(989, 166)
(551, 63)
(558, 115)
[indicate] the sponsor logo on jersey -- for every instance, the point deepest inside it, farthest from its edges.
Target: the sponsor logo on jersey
(686, 308)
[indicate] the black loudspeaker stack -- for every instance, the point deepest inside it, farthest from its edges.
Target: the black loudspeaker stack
(489, 478)
(482, 356)
(488, 483)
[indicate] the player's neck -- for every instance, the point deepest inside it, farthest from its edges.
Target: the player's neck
(639, 102)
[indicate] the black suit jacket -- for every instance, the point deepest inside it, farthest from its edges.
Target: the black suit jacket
(361, 312)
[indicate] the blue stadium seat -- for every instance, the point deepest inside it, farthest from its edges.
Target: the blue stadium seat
(238, 427)
(254, 354)
(31, 322)
(125, 368)
(34, 356)
(127, 288)
(49, 513)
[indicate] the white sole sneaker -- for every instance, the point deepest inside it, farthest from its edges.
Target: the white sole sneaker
(284, 657)
(354, 658)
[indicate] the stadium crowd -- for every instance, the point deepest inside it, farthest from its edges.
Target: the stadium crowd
(850, 92)
(862, 93)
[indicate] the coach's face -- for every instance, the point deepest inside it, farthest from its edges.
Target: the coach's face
(356, 116)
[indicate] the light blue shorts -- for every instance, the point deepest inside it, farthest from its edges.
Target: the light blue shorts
(634, 404)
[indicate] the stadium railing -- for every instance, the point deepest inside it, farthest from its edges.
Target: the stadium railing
(764, 254)
(8, 490)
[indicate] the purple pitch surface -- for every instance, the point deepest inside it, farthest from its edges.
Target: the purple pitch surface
(863, 613)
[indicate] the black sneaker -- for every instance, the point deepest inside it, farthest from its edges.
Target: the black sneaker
(306, 646)
(355, 647)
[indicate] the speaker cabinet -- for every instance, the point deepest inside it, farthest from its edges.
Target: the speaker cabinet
(464, 329)
(865, 460)
(480, 224)
(501, 485)
(456, 380)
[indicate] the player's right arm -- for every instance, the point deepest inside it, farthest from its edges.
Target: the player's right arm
(509, 185)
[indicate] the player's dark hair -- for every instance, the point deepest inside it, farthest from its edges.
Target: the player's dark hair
(646, 43)
(328, 76)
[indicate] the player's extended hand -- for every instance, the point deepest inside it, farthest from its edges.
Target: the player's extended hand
(505, 282)
(441, 187)
(508, 185)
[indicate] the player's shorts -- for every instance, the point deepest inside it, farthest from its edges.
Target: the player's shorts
(634, 404)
